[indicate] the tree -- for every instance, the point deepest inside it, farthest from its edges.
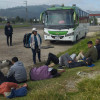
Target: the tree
(95, 21)
(13, 21)
(62, 5)
(21, 20)
(0, 19)
(17, 19)
(31, 21)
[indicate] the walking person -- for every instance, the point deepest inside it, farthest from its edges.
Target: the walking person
(8, 33)
(35, 44)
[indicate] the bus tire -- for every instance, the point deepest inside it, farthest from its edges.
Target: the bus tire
(76, 38)
(84, 36)
(74, 42)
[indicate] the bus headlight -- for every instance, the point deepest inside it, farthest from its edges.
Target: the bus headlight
(46, 34)
(70, 34)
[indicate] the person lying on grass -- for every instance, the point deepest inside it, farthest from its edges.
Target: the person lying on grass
(66, 60)
(44, 72)
(11, 90)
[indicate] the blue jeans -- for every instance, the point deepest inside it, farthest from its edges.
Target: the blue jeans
(34, 55)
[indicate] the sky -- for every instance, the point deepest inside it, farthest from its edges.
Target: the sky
(84, 4)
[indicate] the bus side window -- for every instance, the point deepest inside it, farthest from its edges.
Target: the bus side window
(77, 19)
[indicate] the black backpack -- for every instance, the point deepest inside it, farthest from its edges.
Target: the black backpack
(26, 40)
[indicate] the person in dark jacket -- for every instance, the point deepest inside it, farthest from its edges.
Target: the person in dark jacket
(8, 33)
(98, 47)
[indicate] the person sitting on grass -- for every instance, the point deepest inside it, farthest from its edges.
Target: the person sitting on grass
(11, 90)
(44, 72)
(91, 53)
(97, 45)
(17, 72)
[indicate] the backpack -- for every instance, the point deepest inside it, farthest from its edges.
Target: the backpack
(26, 40)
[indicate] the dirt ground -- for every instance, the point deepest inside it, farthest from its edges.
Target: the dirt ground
(25, 54)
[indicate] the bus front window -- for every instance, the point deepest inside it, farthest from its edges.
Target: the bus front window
(59, 18)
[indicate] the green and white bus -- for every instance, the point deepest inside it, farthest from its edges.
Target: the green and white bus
(65, 23)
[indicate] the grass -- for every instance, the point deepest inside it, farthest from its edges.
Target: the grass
(57, 88)
(16, 26)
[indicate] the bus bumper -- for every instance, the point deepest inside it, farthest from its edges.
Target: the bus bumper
(59, 38)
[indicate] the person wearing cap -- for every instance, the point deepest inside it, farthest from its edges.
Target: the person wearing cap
(8, 33)
(35, 44)
(91, 53)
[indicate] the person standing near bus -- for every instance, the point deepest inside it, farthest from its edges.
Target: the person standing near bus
(8, 33)
(35, 44)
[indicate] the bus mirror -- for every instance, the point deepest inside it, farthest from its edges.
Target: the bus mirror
(74, 16)
(41, 17)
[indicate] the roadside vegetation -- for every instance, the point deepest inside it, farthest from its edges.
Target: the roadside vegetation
(68, 86)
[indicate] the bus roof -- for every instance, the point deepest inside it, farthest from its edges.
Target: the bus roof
(66, 7)
(62, 8)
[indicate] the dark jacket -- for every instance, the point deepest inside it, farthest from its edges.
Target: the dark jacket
(92, 53)
(8, 30)
(2, 78)
(98, 50)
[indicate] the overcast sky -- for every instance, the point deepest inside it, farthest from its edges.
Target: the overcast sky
(84, 4)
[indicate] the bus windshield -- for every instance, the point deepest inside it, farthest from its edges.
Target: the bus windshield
(59, 18)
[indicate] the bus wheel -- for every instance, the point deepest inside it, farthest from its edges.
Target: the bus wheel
(84, 36)
(75, 40)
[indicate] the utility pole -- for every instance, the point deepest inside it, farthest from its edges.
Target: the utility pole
(25, 2)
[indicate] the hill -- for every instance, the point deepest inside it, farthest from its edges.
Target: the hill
(33, 11)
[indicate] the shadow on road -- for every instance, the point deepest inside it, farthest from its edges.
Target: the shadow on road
(62, 43)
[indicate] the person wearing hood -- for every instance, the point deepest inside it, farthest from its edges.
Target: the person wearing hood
(17, 72)
(35, 44)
